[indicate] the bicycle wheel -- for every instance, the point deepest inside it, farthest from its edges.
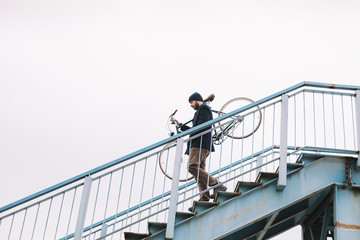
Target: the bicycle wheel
(167, 160)
(240, 129)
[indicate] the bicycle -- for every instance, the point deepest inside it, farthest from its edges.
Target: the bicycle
(224, 129)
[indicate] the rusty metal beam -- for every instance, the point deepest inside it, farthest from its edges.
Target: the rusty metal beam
(347, 212)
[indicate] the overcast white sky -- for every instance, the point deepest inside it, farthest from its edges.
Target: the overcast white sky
(85, 82)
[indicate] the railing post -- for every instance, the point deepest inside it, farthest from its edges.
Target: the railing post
(83, 207)
(357, 109)
(283, 142)
(259, 162)
(103, 230)
(174, 190)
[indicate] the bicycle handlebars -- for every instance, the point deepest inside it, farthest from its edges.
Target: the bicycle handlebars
(173, 113)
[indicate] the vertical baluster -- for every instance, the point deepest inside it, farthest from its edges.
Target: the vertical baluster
(11, 225)
(208, 179)
(221, 148)
(36, 216)
(295, 121)
(95, 205)
(187, 175)
(47, 219)
(107, 197)
(353, 122)
(118, 201)
(57, 224)
(252, 139)
(142, 188)
(263, 135)
(314, 112)
(304, 119)
(231, 153)
(154, 181)
(324, 118)
(273, 134)
(22, 227)
(343, 119)
(131, 187)
(163, 190)
(199, 162)
(333, 113)
(71, 210)
(357, 106)
(242, 150)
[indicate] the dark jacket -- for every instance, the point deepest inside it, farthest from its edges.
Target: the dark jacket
(203, 114)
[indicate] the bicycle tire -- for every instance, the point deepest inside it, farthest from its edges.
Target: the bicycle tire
(164, 168)
(255, 126)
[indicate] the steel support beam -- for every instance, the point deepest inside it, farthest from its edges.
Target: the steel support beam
(283, 142)
(174, 190)
(246, 215)
(83, 207)
(346, 213)
(325, 224)
(268, 224)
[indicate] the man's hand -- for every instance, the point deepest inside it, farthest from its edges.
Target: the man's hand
(174, 121)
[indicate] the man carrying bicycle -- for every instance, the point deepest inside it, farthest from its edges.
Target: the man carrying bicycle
(200, 147)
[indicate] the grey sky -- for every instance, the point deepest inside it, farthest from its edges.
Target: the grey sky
(85, 82)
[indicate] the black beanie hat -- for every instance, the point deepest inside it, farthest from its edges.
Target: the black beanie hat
(195, 97)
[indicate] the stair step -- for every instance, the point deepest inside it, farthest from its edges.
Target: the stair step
(135, 236)
(182, 216)
(242, 187)
(265, 177)
(201, 206)
(221, 197)
(292, 167)
(307, 158)
(155, 227)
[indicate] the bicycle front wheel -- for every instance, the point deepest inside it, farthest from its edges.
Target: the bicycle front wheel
(238, 129)
(167, 161)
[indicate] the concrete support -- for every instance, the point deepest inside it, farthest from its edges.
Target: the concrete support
(174, 190)
(283, 142)
(346, 213)
(82, 210)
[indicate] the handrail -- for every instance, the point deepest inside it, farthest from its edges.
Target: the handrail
(170, 139)
(180, 188)
(259, 153)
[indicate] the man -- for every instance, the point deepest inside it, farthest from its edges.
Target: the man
(200, 147)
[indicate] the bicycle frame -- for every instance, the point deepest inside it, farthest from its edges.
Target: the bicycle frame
(218, 136)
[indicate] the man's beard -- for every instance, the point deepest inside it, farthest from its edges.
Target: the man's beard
(197, 105)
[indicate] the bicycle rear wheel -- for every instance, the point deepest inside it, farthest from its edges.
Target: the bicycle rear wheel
(240, 129)
(167, 160)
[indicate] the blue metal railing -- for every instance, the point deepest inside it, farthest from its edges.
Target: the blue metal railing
(129, 191)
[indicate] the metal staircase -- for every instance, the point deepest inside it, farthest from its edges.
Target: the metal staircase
(301, 167)
(257, 210)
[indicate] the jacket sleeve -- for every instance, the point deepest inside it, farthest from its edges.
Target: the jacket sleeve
(184, 128)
